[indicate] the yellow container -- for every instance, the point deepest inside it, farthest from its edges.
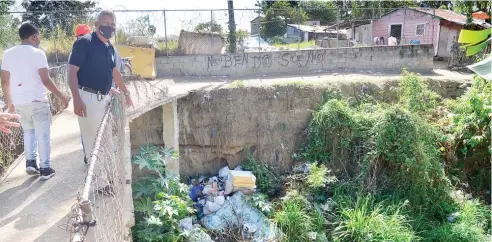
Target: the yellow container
(143, 60)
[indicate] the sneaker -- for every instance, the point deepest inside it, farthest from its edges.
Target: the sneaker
(46, 173)
(85, 160)
(32, 167)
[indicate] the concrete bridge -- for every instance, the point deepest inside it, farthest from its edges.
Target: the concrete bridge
(33, 210)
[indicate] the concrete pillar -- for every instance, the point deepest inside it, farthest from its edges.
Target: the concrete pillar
(170, 134)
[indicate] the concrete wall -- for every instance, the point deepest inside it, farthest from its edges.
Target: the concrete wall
(269, 120)
(391, 58)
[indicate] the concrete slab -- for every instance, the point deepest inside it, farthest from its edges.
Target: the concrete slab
(34, 210)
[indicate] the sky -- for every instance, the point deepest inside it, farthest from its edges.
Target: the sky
(177, 20)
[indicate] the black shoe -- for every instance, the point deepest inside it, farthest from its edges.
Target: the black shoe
(85, 160)
(46, 173)
(32, 167)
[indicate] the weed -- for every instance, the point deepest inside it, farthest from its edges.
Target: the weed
(160, 199)
(295, 218)
(238, 84)
(317, 180)
(260, 201)
(268, 180)
(471, 224)
(414, 93)
(369, 221)
(290, 84)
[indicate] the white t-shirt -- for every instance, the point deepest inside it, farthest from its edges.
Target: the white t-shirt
(23, 63)
(392, 41)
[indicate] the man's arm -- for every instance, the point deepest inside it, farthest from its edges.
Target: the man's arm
(118, 79)
(73, 81)
(6, 90)
(48, 83)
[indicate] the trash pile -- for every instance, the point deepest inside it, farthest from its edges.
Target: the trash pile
(221, 203)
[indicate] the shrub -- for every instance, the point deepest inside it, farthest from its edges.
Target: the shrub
(471, 116)
(369, 221)
(268, 180)
(160, 199)
(413, 93)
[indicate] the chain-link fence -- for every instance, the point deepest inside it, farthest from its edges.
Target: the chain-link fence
(11, 145)
(99, 214)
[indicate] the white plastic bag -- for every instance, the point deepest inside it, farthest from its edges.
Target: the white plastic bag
(220, 200)
(224, 172)
(211, 207)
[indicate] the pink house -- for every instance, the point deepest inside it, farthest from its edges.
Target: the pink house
(422, 26)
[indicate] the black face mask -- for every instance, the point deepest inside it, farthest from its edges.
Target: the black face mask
(106, 31)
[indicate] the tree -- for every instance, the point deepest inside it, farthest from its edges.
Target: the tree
(8, 33)
(141, 27)
(277, 16)
(325, 12)
(205, 28)
(50, 14)
(469, 7)
(232, 27)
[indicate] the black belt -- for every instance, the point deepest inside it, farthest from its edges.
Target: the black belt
(93, 91)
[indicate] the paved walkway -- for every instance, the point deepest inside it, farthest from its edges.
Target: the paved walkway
(34, 210)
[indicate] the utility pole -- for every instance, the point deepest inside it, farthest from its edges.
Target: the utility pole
(232, 27)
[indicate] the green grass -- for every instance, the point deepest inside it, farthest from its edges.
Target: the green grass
(238, 84)
(291, 84)
(301, 45)
(369, 221)
(172, 48)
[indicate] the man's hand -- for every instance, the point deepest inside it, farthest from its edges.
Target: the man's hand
(128, 101)
(114, 91)
(64, 101)
(79, 107)
(5, 123)
(10, 107)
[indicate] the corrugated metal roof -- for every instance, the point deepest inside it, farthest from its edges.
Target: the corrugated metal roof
(444, 14)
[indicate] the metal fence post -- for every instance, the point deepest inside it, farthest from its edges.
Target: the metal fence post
(259, 33)
(165, 33)
(299, 28)
(338, 22)
(211, 30)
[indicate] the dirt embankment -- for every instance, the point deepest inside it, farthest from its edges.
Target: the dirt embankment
(219, 125)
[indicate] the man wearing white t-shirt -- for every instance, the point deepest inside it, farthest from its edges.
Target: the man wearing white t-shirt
(392, 41)
(25, 82)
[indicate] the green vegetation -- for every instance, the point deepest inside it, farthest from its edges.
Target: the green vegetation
(370, 172)
(238, 83)
(291, 84)
(268, 180)
(160, 199)
(301, 45)
(366, 220)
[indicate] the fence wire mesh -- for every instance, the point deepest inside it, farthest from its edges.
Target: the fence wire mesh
(11, 145)
(184, 32)
(98, 216)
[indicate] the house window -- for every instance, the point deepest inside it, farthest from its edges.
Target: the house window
(420, 29)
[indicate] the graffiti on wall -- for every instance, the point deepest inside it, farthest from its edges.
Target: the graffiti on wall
(265, 60)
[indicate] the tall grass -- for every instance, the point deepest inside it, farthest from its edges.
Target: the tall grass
(369, 221)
